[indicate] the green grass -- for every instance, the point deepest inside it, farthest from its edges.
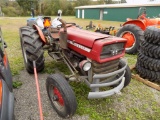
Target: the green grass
(17, 84)
(137, 101)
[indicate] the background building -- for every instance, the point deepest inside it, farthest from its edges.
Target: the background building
(116, 12)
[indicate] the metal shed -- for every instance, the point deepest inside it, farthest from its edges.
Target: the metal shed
(116, 12)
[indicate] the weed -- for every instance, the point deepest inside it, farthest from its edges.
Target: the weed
(17, 84)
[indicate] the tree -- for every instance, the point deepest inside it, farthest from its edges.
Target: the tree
(51, 7)
(123, 1)
(26, 5)
(82, 2)
(10, 8)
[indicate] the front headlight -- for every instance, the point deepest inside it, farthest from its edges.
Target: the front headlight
(85, 65)
(112, 50)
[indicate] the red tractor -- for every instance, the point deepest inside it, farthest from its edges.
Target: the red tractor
(91, 57)
(132, 30)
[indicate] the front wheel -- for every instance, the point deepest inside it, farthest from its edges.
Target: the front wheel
(134, 36)
(127, 74)
(61, 96)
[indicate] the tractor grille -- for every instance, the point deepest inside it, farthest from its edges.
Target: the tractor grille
(105, 68)
(112, 50)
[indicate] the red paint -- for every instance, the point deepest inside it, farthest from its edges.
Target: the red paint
(38, 93)
(1, 92)
(143, 22)
(130, 39)
(40, 33)
(84, 37)
(94, 41)
(58, 94)
(5, 59)
(140, 23)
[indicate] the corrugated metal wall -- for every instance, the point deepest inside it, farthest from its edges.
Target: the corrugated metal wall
(120, 14)
(117, 14)
(153, 11)
(88, 13)
(92, 13)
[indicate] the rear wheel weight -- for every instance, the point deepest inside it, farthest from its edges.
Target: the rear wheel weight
(61, 95)
(134, 36)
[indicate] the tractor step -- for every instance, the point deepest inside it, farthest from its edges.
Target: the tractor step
(56, 56)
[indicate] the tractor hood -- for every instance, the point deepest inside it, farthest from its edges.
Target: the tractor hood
(95, 46)
(84, 37)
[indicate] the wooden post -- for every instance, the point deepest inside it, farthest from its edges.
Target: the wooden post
(145, 81)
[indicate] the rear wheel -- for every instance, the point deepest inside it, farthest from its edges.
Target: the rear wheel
(32, 50)
(61, 95)
(134, 36)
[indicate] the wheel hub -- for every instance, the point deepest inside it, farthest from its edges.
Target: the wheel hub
(130, 39)
(57, 96)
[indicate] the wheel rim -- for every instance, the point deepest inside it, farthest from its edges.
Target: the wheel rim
(56, 98)
(130, 39)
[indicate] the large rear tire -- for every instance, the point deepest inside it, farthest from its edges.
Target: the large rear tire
(61, 96)
(148, 62)
(152, 35)
(134, 36)
(32, 50)
(147, 74)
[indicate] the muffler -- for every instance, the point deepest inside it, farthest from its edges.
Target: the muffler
(63, 35)
(63, 40)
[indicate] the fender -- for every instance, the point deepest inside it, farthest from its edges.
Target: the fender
(40, 33)
(139, 23)
(5, 72)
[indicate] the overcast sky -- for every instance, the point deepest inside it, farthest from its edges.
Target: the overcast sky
(142, 1)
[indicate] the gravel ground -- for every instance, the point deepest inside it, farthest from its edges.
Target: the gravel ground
(26, 104)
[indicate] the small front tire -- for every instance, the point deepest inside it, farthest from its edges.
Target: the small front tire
(61, 96)
(127, 74)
